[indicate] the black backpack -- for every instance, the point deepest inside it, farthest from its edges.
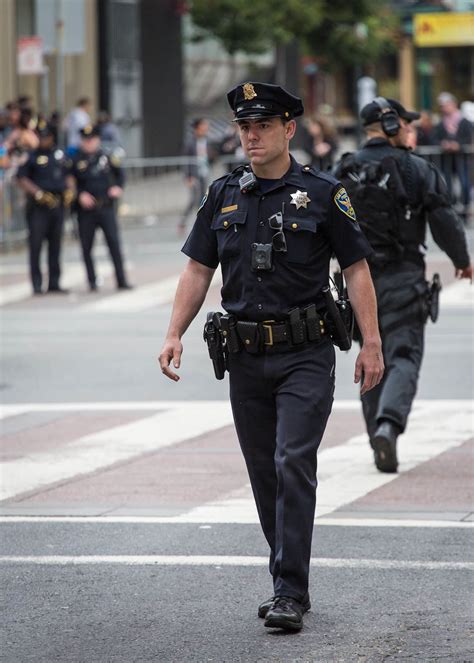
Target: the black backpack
(379, 197)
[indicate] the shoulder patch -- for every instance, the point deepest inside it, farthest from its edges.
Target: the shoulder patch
(343, 202)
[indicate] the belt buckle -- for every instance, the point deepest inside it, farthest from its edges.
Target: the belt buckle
(266, 324)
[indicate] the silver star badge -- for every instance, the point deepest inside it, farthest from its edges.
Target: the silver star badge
(300, 199)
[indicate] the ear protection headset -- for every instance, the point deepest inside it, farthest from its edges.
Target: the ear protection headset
(388, 117)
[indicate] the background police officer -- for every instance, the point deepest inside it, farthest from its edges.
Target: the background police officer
(43, 178)
(99, 181)
(395, 194)
(274, 233)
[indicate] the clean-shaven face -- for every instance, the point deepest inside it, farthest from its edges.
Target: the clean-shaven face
(265, 140)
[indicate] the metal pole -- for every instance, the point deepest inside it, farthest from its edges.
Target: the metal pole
(60, 62)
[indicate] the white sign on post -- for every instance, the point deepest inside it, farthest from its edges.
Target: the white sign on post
(30, 55)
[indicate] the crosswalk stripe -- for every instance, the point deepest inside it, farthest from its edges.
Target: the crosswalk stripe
(345, 471)
(459, 294)
(92, 452)
(225, 560)
(142, 298)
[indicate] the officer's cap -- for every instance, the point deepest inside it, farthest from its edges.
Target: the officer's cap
(372, 112)
(44, 129)
(255, 100)
(89, 131)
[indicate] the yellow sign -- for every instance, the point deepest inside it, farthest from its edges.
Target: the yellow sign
(444, 29)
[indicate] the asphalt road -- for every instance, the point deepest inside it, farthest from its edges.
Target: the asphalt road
(128, 531)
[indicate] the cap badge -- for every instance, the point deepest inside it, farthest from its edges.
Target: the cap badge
(300, 199)
(249, 92)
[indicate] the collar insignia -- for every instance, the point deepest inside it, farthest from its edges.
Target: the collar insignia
(300, 199)
(249, 91)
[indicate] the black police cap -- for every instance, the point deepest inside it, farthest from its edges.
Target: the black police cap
(255, 100)
(372, 112)
(89, 131)
(44, 129)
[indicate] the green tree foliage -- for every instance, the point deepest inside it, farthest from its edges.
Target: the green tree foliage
(336, 30)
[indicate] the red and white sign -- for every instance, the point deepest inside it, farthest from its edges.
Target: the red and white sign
(30, 55)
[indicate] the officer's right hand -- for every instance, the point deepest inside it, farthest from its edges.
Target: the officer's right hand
(172, 350)
(86, 200)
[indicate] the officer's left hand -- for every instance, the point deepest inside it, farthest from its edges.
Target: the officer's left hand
(465, 273)
(369, 366)
(115, 191)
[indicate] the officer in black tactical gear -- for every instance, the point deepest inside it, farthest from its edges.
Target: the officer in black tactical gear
(43, 178)
(395, 194)
(273, 228)
(99, 181)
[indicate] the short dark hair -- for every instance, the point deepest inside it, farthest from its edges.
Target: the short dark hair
(83, 101)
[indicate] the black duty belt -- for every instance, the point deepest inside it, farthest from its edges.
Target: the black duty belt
(302, 326)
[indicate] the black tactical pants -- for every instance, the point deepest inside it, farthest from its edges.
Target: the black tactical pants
(281, 402)
(45, 224)
(88, 222)
(402, 314)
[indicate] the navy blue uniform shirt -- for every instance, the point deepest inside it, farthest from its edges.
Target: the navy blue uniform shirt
(47, 169)
(229, 222)
(96, 173)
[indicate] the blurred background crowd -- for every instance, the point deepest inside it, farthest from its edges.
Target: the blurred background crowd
(153, 75)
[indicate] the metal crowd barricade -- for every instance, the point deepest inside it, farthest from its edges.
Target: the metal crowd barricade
(458, 171)
(12, 209)
(156, 188)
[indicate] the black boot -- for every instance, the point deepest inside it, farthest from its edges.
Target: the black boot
(384, 444)
(264, 607)
(286, 613)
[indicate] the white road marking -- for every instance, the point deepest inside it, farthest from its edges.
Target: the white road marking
(322, 521)
(16, 409)
(458, 294)
(99, 450)
(72, 276)
(346, 472)
(224, 560)
(142, 298)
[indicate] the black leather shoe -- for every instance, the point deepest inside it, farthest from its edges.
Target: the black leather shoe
(285, 613)
(384, 444)
(264, 607)
(125, 286)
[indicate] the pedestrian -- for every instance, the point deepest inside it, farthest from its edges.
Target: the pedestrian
(109, 131)
(454, 133)
(395, 194)
(424, 129)
(197, 169)
(99, 180)
(321, 142)
(22, 138)
(273, 227)
(43, 178)
(78, 118)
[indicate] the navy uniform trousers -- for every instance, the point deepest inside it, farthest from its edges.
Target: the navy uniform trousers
(88, 221)
(402, 313)
(281, 402)
(45, 224)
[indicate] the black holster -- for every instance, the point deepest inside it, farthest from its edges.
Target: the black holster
(434, 288)
(339, 320)
(215, 344)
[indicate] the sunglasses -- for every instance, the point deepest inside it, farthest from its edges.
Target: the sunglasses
(278, 240)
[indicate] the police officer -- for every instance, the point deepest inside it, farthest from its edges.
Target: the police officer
(273, 229)
(99, 181)
(43, 178)
(395, 194)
